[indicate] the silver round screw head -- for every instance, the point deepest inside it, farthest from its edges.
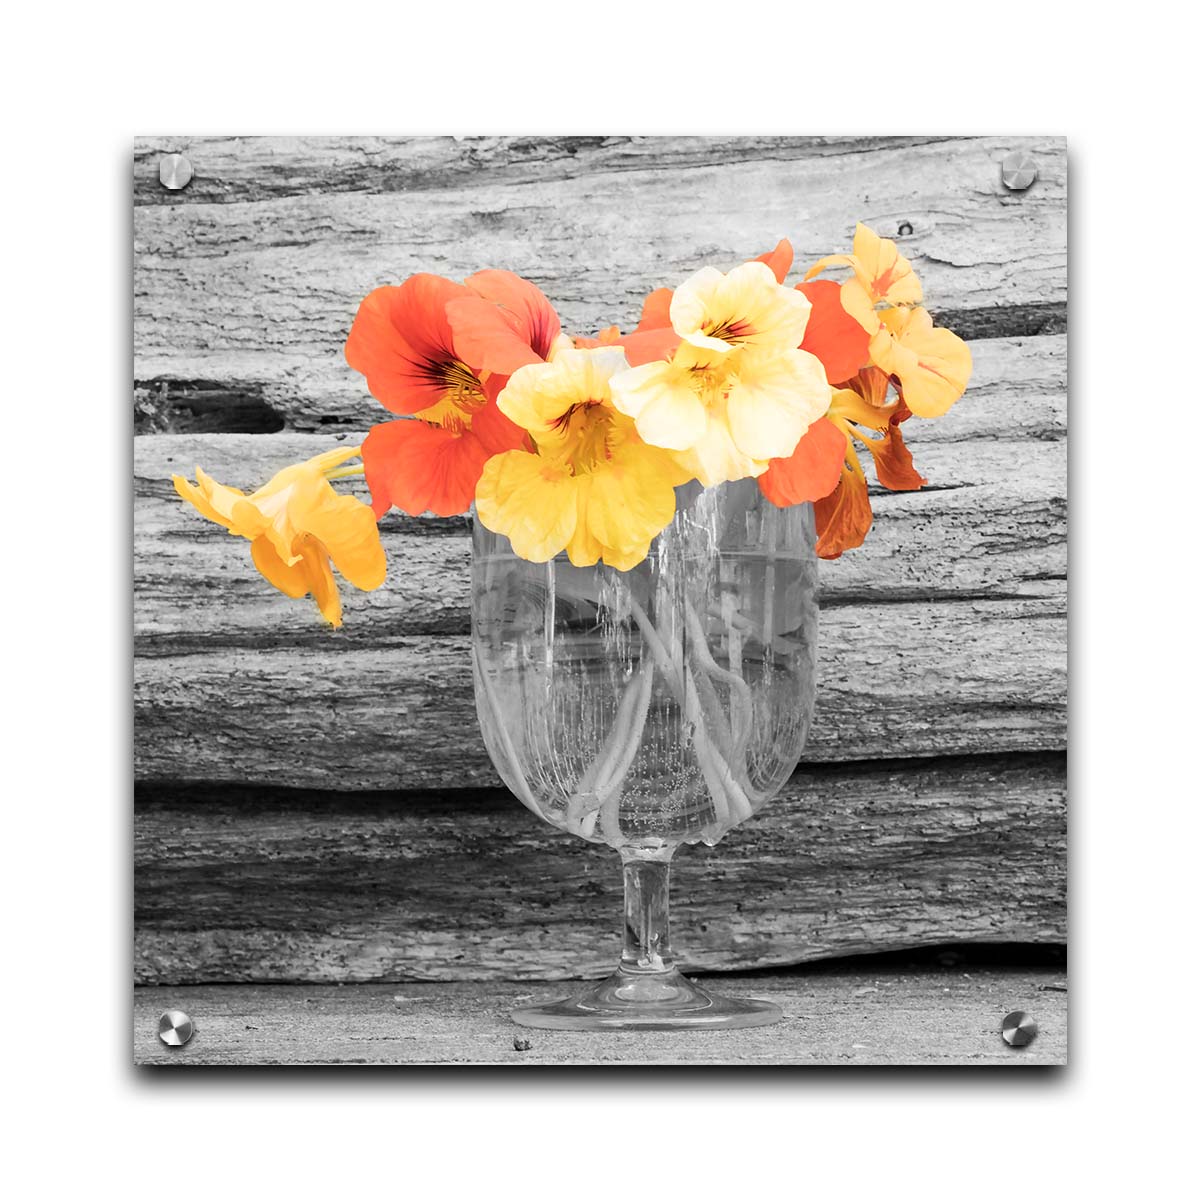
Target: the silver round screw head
(1018, 1029)
(175, 1028)
(1018, 171)
(174, 171)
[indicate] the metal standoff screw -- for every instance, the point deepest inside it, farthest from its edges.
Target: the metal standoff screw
(1018, 171)
(174, 171)
(1018, 1029)
(175, 1028)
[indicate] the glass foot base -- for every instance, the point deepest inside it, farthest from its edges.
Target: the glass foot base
(633, 1000)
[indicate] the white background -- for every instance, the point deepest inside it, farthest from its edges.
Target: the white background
(77, 88)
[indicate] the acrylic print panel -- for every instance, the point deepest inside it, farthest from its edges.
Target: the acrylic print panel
(349, 849)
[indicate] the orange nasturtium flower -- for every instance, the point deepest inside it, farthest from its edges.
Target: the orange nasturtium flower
(296, 525)
(832, 334)
(592, 487)
(825, 468)
(440, 352)
(737, 392)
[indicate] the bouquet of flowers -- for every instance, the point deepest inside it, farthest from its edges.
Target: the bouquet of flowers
(578, 444)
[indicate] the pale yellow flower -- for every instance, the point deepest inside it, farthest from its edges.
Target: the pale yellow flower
(737, 392)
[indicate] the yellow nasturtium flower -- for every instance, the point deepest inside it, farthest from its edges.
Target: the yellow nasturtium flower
(931, 365)
(738, 391)
(296, 524)
(592, 487)
(882, 275)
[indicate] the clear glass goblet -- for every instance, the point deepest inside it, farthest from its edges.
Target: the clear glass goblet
(651, 708)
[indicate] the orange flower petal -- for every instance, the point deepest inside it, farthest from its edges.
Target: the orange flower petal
(524, 332)
(813, 469)
(422, 468)
(649, 345)
(488, 338)
(656, 310)
(779, 259)
(893, 461)
(401, 341)
(844, 516)
(832, 334)
(872, 385)
(641, 346)
(496, 433)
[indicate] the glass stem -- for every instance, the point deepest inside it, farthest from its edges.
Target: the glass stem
(647, 911)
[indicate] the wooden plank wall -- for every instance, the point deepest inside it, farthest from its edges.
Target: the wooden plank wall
(318, 806)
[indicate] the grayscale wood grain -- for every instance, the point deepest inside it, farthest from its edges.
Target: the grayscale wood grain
(236, 884)
(858, 1017)
(958, 677)
(967, 578)
(247, 303)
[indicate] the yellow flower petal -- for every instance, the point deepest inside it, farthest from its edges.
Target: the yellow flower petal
(321, 582)
(882, 269)
(538, 395)
(848, 405)
(661, 399)
(626, 558)
(346, 527)
(774, 400)
(856, 300)
(716, 458)
(583, 549)
(882, 275)
(226, 501)
(830, 260)
(630, 502)
(290, 578)
(933, 365)
(530, 500)
(197, 498)
(692, 310)
(746, 307)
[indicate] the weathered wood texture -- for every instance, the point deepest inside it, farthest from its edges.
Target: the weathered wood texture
(917, 1017)
(943, 636)
(237, 884)
(241, 308)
